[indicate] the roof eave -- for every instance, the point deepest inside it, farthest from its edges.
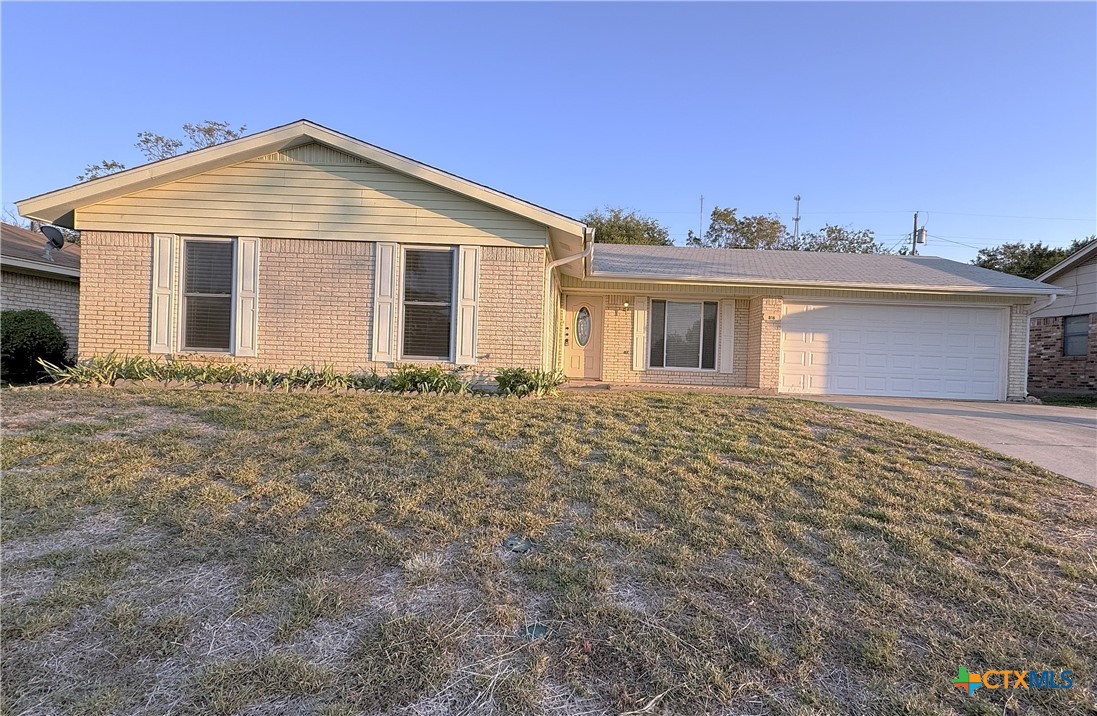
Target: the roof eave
(1068, 263)
(777, 283)
(39, 267)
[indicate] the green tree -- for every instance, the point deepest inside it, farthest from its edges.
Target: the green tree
(100, 169)
(727, 230)
(619, 226)
(158, 146)
(1027, 260)
(841, 240)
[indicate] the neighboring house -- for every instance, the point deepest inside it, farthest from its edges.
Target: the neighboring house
(300, 245)
(30, 280)
(1063, 336)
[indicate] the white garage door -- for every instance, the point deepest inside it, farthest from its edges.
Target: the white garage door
(916, 351)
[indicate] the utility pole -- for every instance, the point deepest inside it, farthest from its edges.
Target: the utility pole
(796, 222)
(914, 237)
(700, 217)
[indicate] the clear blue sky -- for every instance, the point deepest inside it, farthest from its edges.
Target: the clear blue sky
(976, 114)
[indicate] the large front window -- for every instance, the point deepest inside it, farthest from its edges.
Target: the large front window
(683, 335)
(207, 296)
(428, 303)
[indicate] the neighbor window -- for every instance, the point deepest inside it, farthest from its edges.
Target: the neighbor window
(683, 335)
(207, 296)
(1075, 335)
(428, 303)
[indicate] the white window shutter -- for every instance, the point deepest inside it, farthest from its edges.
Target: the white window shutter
(384, 301)
(726, 358)
(468, 296)
(247, 296)
(639, 332)
(163, 279)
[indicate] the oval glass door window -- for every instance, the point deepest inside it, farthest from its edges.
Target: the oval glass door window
(582, 326)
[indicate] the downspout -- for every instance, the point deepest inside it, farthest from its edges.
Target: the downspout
(588, 249)
(1028, 329)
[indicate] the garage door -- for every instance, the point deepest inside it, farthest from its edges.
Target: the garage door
(916, 351)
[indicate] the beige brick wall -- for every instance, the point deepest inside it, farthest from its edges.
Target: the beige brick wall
(511, 312)
(764, 343)
(315, 302)
(57, 297)
(1017, 372)
(617, 348)
(115, 283)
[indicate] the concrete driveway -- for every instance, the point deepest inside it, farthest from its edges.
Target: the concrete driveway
(1063, 440)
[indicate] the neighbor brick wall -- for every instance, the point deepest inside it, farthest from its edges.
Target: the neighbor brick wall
(115, 283)
(1051, 371)
(764, 342)
(617, 348)
(315, 302)
(57, 297)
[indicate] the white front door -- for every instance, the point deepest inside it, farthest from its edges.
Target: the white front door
(583, 337)
(909, 351)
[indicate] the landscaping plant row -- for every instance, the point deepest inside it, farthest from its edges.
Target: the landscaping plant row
(108, 370)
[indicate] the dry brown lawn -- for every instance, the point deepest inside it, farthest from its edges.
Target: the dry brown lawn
(184, 552)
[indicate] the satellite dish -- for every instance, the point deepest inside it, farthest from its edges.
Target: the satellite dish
(55, 240)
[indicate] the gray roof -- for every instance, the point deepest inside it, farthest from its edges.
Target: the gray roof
(26, 248)
(802, 268)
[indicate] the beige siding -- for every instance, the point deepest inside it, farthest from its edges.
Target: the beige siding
(60, 298)
(312, 192)
(1082, 280)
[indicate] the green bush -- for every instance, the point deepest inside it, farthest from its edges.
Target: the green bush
(26, 337)
(107, 370)
(435, 379)
(522, 382)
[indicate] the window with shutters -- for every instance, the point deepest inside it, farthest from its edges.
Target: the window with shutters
(206, 317)
(427, 306)
(682, 335)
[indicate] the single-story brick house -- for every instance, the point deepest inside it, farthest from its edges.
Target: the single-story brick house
(30, 279)
(1063, 335)
(303, 246)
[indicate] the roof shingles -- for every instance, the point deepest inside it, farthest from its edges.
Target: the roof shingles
(29, 246)
(806, 268)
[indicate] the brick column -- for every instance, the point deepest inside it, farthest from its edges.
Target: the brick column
(764, 342)
(1017, 378)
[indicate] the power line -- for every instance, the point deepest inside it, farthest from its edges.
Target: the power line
(958, 243)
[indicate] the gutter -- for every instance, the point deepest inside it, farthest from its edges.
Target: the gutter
(588, 249)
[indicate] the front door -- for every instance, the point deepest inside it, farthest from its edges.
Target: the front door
(583, 338)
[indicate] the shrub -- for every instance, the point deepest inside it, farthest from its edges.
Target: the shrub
(435, 379)
(25, 337)
(522, 382)
(107, 370)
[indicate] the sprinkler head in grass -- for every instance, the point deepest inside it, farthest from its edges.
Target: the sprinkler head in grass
(534, 631)
(518, 545)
